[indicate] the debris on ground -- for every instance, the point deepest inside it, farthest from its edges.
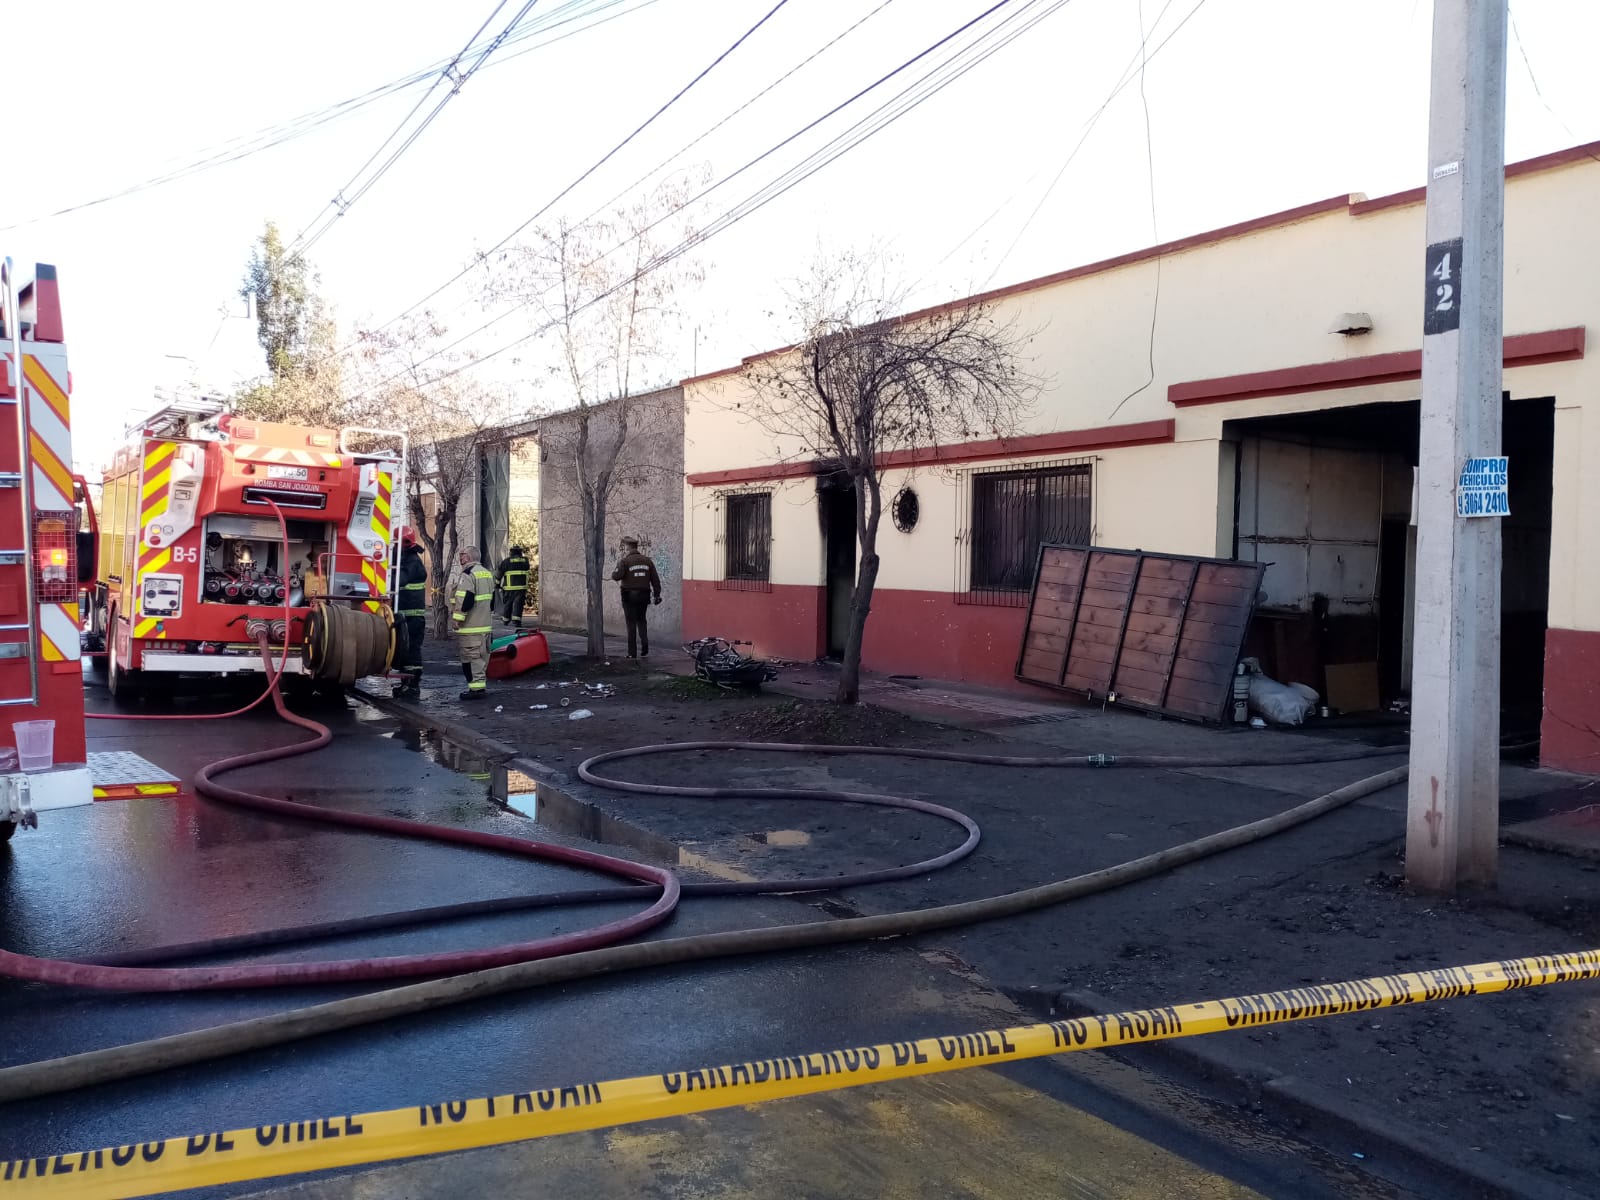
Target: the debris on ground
(809, 721)
(578, 714)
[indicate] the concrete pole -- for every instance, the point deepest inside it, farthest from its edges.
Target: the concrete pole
(1452, 831)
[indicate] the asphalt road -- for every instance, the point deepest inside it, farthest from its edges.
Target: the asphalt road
(131, 874)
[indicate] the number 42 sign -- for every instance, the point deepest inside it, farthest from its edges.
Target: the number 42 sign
(1442, 310)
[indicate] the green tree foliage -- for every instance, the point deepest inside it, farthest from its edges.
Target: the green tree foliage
(281, 285)
(304, 384)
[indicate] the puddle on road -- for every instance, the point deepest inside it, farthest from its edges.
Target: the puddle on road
(552, 808)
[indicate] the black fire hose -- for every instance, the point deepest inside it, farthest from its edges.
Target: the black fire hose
(760, 887)
(120, 1062)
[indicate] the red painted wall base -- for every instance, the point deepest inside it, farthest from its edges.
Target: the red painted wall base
(785, 622)
(1570, 733)
(929, 634)
(908, 633)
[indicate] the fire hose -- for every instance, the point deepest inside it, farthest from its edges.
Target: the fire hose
(480, 973)
(344, 653)
(100, 1066)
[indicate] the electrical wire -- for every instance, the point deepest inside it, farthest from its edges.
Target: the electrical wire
(345, 199)
(595, 166)
(1522, 49)
(271, 137)
(762, 196)
(690, 145)
(1140, 60)
(1155, 235)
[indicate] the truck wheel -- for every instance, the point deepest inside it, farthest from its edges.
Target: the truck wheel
(99, 628)
(122, 683)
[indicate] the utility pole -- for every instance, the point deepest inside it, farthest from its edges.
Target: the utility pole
(1452, 832)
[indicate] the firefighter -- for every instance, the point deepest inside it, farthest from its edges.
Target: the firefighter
(637, 574)
(473, 617)
(511, 577)
(413, 610)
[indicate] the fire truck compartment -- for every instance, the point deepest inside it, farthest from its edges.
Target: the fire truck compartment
(242, 564)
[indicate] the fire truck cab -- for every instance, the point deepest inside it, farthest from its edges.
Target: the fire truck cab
(41, 678)
(192, 563)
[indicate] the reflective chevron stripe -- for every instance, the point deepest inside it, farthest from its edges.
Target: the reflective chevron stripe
(58, 633)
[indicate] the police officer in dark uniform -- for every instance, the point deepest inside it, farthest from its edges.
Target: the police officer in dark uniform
(511, 577)
(413, 610)
(637, 574)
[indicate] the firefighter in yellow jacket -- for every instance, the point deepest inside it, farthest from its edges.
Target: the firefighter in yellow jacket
(473, 616)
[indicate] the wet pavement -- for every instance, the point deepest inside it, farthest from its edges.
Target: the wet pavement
(124, 875)
(1324, 902)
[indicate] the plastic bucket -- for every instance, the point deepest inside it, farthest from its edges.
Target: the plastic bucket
(36, 744)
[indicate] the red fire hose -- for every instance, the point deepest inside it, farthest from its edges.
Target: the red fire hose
(177, 979)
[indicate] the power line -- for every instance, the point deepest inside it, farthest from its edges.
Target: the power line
(727, 179)
(345, 199)
(271, 137)
(1141, 59)
(908, 99)
(595, 166)
(1522, 49)
(1155, 232)
(771, 191)
(690, 145)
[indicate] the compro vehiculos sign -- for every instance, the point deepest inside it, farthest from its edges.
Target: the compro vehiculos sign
(1482, 489)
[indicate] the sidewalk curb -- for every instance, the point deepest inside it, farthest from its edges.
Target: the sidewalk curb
(1201, 1059)
(1530, 840)
(1300, 1103)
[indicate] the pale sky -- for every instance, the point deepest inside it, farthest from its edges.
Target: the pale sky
(1255, 106)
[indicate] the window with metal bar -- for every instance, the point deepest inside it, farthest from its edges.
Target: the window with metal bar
(1008, 514)
(746, 536)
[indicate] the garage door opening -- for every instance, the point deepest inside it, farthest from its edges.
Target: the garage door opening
(1325, 500)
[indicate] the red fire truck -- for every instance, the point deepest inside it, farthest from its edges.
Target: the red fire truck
(40, 675)
(191, 549)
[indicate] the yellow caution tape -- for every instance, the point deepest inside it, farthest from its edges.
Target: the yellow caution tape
(269, 1150)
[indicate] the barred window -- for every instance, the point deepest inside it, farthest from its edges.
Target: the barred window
(1009, 514)
(746, 537)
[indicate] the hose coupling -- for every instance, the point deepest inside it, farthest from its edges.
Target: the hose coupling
(256, 627)
(279, 630)
(1101, 760)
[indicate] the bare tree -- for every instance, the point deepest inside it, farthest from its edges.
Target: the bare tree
(864, 381)
(448, 417)
(607, 291)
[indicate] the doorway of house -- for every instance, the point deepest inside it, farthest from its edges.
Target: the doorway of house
(837, 501)
(1325, 499)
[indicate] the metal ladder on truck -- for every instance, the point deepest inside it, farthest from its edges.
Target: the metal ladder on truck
(41, 675)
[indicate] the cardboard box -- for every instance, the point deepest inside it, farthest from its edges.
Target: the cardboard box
(1353, 687)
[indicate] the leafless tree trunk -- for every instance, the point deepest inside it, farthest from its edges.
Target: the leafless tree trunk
(438, 536)
(869, 511)
(864, 381)
(447, 417)
(610, 307)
